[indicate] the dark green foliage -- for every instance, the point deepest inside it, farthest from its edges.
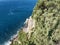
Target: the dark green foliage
(47, 16)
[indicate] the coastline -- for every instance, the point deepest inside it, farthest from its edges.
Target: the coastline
(12, 38)
(28, 25)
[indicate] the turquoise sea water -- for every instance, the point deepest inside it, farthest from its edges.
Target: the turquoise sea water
(13, 15)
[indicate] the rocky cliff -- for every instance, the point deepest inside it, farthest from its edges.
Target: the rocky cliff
(43, 27)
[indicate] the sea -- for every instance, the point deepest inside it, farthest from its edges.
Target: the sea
(13, 14)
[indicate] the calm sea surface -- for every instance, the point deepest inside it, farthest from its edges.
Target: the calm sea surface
(12, 16)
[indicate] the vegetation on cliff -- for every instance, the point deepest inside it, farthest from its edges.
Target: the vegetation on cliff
(47, 25)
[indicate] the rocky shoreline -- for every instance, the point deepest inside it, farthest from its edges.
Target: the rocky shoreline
(29, 24)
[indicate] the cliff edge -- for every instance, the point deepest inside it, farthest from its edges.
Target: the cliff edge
(43, 27)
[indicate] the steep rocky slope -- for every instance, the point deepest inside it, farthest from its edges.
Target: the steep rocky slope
(45, 28)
